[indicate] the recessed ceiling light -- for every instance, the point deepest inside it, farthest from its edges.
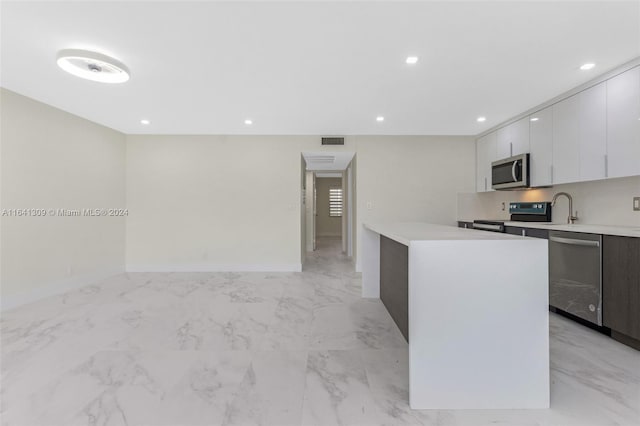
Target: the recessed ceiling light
(411, 60)
(248, 122)
(379, 118)
(587, 66)
(92, 66)
(145, 122)
(535, 119)
(481, 119)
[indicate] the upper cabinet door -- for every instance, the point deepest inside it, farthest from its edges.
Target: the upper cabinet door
(485, 155)
(592, 132)
(513, 139)
(623, 124)
(520, 137)
(541, 139)
(503, 142)
(566, 141)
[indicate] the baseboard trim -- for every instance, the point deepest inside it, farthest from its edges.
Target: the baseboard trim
(275, 267)
(54, 288)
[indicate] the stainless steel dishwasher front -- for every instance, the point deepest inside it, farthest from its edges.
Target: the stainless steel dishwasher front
(575, 274)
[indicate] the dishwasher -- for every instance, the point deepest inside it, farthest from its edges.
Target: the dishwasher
(575, 274)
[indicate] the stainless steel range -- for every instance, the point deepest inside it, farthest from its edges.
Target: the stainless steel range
(536, 211)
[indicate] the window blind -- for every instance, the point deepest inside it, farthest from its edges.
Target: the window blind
(335, 202)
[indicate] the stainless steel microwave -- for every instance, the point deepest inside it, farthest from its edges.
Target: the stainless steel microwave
(510, 173)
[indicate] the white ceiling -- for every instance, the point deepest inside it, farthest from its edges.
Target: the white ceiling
(327, 160)
(314, 67)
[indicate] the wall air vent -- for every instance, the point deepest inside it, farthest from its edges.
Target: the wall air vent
(332, 141)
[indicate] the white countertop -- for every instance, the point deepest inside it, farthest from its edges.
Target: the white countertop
(405, 232)
(624, 231)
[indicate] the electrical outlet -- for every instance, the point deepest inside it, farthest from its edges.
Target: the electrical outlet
(636, 204)
(369, 205)
(504, 206)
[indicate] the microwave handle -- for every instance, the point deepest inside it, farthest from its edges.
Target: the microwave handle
(513, 171)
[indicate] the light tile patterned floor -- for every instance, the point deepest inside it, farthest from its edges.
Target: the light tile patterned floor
(262, 349)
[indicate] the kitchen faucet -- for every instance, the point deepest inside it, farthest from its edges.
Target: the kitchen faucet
(571, 218)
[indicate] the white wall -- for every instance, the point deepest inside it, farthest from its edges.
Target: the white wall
(603, 202)
(54, 160)
(327, 226)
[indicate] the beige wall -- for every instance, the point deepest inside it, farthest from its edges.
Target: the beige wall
(602, 202)
(232, 202)
(310, 219)
(412, 178)
(302, 211)
(326, 226)
(54, 160)
(213, 203)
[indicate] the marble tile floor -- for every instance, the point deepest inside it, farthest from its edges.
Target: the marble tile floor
(262, 349)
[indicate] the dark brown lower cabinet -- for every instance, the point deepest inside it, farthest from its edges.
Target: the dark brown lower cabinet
(621, 288)
(394, 282)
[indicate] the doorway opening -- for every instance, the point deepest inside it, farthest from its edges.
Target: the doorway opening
(328, 203)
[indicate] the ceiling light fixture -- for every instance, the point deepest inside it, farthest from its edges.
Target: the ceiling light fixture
(412, 60)
(481, 119)
(248, 122)
(92, 66)
(535, 119)
(145, 122)
(587, 66)
(379, 118)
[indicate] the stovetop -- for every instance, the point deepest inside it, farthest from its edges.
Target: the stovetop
(537, 211)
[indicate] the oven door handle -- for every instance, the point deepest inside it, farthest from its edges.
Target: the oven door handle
(513, 171)
(488, 227)
(575, 242)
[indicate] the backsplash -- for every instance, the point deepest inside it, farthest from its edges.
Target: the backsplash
(601, 202)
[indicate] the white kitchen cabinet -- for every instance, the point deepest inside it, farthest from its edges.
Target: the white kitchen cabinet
(541, 140)
(513, 139)
(566, 165)
(520, 136)
(579, 136)
(592, 132)
(485, 154)
(503, 142)
(623, 124)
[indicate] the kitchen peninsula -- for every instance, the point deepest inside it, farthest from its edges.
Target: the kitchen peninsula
(473, 306)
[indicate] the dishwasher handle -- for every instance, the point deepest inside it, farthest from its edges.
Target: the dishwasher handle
(575, 242)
